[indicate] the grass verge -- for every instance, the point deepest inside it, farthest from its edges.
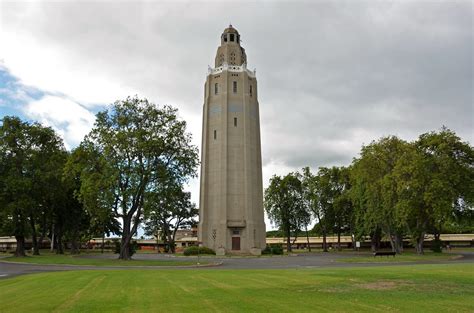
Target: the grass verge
(418, 288)
(77, 260)
(405, 257)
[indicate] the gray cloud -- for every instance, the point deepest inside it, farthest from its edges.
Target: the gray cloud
(332, 74)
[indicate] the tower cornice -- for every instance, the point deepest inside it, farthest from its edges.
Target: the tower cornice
(231, 68)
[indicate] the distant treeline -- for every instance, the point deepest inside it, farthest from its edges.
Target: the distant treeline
(393, 189)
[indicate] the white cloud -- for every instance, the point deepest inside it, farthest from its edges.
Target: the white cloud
(68, 118)
(52, 68)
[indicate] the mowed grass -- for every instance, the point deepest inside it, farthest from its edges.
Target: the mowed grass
(404, 257)
(78, 260)
(417, 288)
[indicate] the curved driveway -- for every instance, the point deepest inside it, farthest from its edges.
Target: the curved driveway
(307, 260)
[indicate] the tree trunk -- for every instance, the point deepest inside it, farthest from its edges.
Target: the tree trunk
(173, 238)
(44, 229)
(400, 243)
(103, 240)
(125, 248)
(325, 245)
(20, 246)
(419, 243)
(52, 239)
(34, 238)
(339, 239)
(59, 242)
(288, 240)
(126, 238)
(394, 242)
(74, 245)
(375, 240)
(307, 238)
(165, 236)
(171, 247)
(294, 240)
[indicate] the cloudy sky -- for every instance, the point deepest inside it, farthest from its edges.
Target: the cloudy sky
(332, 75)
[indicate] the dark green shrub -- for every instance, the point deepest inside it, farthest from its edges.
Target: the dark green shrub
(195, 250)
(267, 250)
(277, 249)
(273, 249)
(436, 245)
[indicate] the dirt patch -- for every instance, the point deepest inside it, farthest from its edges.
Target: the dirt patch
(384, 284)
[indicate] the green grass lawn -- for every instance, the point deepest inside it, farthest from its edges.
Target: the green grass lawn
(77, 260)
(405, 257)
(417, 288)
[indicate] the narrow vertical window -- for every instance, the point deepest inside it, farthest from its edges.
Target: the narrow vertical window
(235, 87)
(216, 88)
(250, 90)
(231, 37)
(235, 122)
(215, 134)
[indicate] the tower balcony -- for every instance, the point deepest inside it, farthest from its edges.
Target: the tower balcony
(231, 68)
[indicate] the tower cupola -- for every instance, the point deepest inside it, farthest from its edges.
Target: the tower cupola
(230, 35)
(230, 51)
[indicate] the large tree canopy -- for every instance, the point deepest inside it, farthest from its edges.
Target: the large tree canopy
(284, 204)
(137, 146)
(169, 209)
(31, 161)
(435, 183)
(375, 189)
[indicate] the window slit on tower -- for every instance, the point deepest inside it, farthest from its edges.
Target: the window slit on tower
(215, 134)
(235, 122)
(216, 88)
(235, 87)
(250, 90)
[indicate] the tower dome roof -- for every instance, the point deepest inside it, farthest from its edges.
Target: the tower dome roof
(230, 29)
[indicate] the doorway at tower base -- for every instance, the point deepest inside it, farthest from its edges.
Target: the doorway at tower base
(252, 251)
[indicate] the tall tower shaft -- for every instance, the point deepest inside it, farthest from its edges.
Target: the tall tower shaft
(231, 196)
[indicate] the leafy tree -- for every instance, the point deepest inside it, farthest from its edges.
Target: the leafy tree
(84, 171)
(284, 206)
(324, 198)
(31, 158)
(435, 181)
(375, 189)
(169, 209)
(343, 208)
(139, 145)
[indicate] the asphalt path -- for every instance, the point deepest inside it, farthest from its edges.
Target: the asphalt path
(301, 261)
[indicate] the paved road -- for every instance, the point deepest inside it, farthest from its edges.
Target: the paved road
(316, 260)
